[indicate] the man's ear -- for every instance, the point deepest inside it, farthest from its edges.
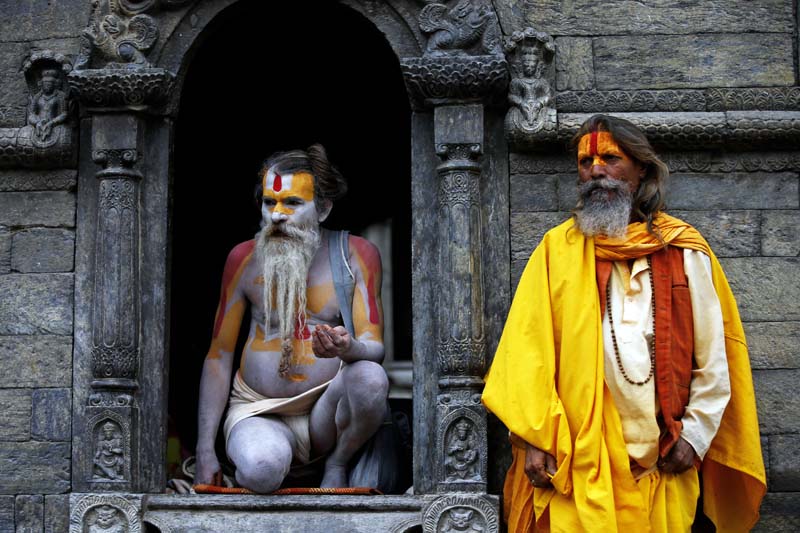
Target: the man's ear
(325, 209)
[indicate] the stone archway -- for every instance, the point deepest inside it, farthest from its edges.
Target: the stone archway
(129, 86)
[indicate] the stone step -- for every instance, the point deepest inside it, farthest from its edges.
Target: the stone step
(206, 513)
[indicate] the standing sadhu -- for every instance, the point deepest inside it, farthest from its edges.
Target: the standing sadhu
(622, 372)
(310, 385)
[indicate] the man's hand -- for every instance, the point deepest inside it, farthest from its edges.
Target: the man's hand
(540, 466)
(679, 459)
(207, 469)
(330, 342)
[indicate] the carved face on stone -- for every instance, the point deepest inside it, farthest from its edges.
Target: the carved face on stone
(460, 519)
(106, 516)
(49, 81)
(462, 430)
(288, 199)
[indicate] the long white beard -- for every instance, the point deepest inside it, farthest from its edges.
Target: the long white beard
(604, 208)
(285, 254)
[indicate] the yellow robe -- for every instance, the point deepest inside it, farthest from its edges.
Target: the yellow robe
(546, 384)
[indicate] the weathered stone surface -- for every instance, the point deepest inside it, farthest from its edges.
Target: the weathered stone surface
(784, 462)
(6, 513)
(773, 344)
(38, 361)
(730, 233)
(779, 233)
(691, 61)
(36, 304)
(766, 288)
(13, 89)
(584, 17)
(43, 250)
(533, 193)
(5, 250)
(37, 209)
(574, 67)
(777, 400)
(29, 513)
(56, 513)
(733, 191)
(37, 180)
(765, 454)
(51, 417)
(780, 513)
(43, 20)
(527, 230)
(542, 163)
(34, 467)
(15, 416)
(567, 191)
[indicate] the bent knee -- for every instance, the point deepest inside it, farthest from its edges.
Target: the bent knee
(367, 381)
(262, 472)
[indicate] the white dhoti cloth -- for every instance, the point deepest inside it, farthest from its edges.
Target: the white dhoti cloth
(294, 412)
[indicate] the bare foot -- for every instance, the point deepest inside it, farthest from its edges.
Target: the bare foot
(335, 477)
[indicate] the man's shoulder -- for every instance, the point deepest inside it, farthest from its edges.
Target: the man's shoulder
(240, 253)
(365, 251)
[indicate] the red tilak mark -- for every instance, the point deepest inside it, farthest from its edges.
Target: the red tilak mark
(277, 185)
(235, 260)
(593, 144)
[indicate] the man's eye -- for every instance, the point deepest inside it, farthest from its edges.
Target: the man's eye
(294, 201)
(585, 161)
(269, 202)
(611, 157)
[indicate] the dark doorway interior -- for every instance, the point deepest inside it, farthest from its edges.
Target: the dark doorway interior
(273, 76)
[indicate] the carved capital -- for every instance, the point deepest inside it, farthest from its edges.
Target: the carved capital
(462, 357)
(462, 512)
(136, 89)
(436, 80)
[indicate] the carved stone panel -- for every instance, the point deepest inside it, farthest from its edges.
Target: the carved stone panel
(109, 466)
(103, 514)
(465, 27)
(461, 440)
(461, 513)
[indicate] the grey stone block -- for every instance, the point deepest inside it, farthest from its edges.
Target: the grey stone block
(56, 513)
(733, 191)
(730, 233)
(517, 268)
(15, 415)
(38, 180)
(43, 250)
(36, 304)
(765, 288)
(13, 89)
(567, 191)
(38, 361)
(5, 250)
(779, 233)
(691, 61)
(6, 513)
(29, 513)
(780, 513)
(42, 20)
(51, 417)
(773, 344)
(34, 467)
(527, 230)
(574, 65)
(585, 17)
(765, 455)
(777, 400)
(784, 462)
(533, 193)
(37, 209)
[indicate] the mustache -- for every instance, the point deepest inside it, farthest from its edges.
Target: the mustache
(286, 230)
(607, 184)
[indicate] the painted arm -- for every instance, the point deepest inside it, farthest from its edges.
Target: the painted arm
(216, 378)
(365, 261)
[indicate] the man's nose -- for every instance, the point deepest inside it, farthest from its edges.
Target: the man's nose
(278, 217)
(598, 170)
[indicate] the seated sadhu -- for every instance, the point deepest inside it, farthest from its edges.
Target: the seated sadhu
(622, 373)
(310, 385)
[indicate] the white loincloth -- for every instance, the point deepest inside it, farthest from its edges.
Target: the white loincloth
(294, 412)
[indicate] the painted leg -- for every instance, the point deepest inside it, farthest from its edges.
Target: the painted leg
(348, 413)
(262, 450)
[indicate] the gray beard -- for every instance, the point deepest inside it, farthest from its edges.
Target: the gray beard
(285, 259)
(604, 208)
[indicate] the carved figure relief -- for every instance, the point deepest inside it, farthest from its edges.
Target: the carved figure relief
(462, 452)
(470, 27)
(460, 513)
(97, 513)
(118, 35)
(106, 519)
(530, 54)
(109, 456)
(461, 519)
(48, 107)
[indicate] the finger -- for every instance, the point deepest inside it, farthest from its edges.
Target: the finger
(550, 464)
(326, 341)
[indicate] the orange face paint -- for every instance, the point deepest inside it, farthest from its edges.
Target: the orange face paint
(598, 145)
(280, 187)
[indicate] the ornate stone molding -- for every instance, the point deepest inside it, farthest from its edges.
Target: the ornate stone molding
(107, 512)
(461, 512)
(434, 80)
(768, 98)
(532, 113)
(134, 89)
(46, 140)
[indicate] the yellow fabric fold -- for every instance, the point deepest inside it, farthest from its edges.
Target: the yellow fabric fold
(546, 384)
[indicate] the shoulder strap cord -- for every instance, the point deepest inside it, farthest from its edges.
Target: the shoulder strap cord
(343, 278)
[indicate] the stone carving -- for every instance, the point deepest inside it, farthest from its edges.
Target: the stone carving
(432, 80)
(460, 513)
(44, 181)
(104, 514)
(459, 397)
(118, 35)
(108, 88)
(764, 127)
(462, 357)
(110, 399)
(470, 27)
(772, 99)
(109, 456)
(45, 141)
(461, 462)
(532, 114)
(458, 189)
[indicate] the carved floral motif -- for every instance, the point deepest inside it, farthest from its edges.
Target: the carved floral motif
(135, 88)
(470, 27)
(432, 79)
